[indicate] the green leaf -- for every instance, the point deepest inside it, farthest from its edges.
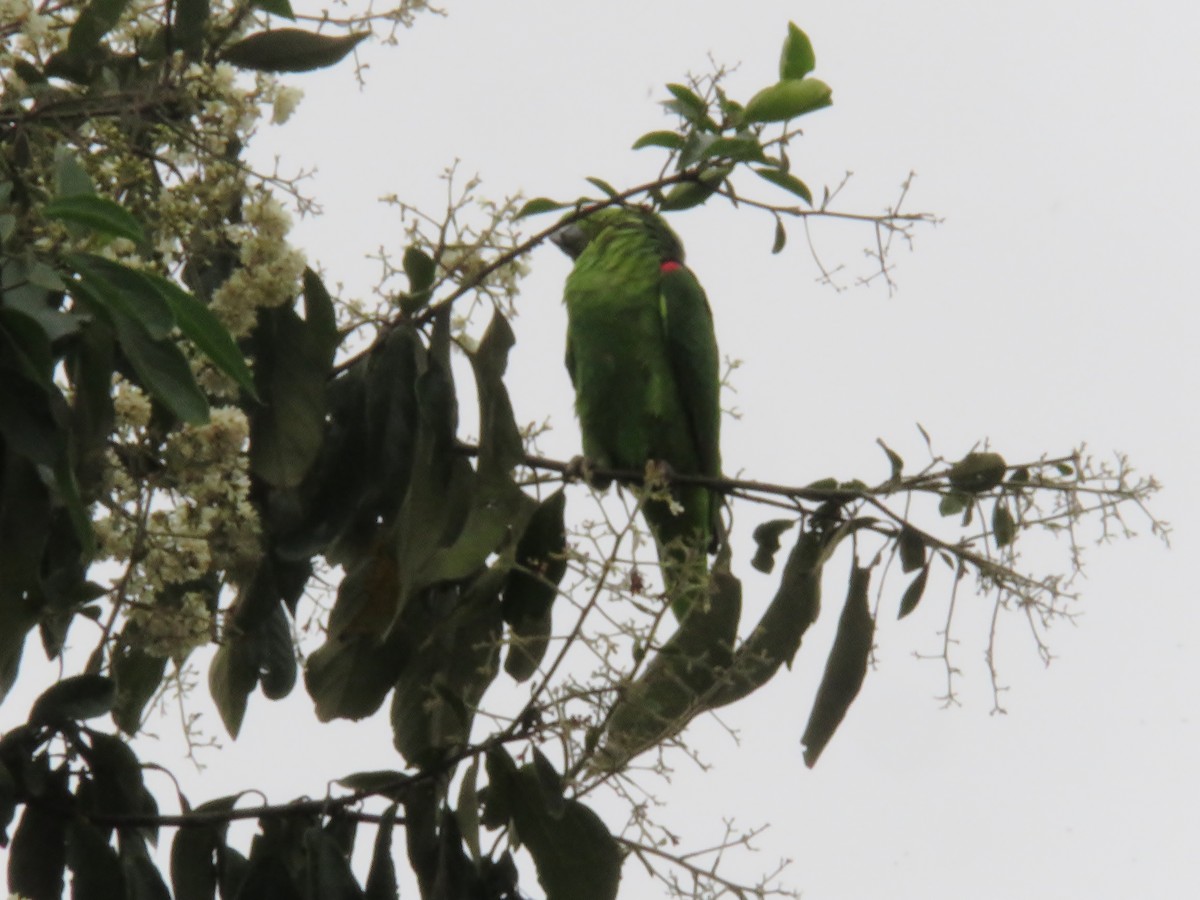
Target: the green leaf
(532, 586)
(687, 194)
(205, 330)
(912, 549)
(894, 460)
(539, 205)
(232, 675)
(73, 699)
(953, 503)
(575, 854)
(124, 291)
(798, 58)
(96, 20)
(163, 370)
(738, 148)
(292, 361)
(420, 269)
(787, 100)
(38, 854)
(669, 140)
(844, 670)
(913, 593)
(191, 19)
(1004, 529)
(978, 472)
(137, 675)
(290, 50)
(96, 213)
(780, 236)
(766, 536)
(381, 877)
(690, 106)
(1065, 469)
(603, 185)
(96, 870)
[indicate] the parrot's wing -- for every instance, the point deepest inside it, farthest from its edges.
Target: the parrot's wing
(692, 350)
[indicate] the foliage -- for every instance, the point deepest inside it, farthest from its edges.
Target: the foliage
(193, 430)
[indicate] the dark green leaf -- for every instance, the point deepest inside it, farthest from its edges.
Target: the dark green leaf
(95, 21)
(205, 330)
(539, 205)
(780, 236)
(143, 880)
(38, 854)
(97, 213)
(787, 100)
(787, 181)
(191, 19)
(797, 59)
(137, 675)
(116, 775)
(419, 267)
(953, 503)
(766, 536)
(381, 781)
(232, 675)
(913, 593)
(381, 877)
(290, 50)
(125, 292)
(291, 369)
(668, 139)
(738, 148)
(575, 855)
(1064, 469)
(281, 8)
(328, 874)
(912, 549)
(193, 864)
(844, 670)
(978, 472)
(163, 370)
(1004, 529)
(894, 460)
(1019, 476)
(96, 872)
(73, 699)
(533, 586)
(467, 809)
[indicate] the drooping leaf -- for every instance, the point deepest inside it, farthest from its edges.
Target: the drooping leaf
(575, 854)
(290, 50)
(191, 19)
(137, 675)
(96, 213)
(953, 503)
(787, 100)
(37, 854)
(96, 870)
(70, 177)
(913, 593)
(381, 877)
(844, 670)
(533, 585)
(291, 368)
(797, 58)
(780, 236)
(687, 194)
(327, 868)
(912, 549)
(766, 536)
(1004, 529)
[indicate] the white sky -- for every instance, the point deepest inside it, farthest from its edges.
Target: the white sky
(1059, 141)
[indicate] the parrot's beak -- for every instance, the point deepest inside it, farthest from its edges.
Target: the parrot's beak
(570, 239)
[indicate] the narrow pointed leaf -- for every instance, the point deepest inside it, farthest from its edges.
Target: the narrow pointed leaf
(539, 205)
(669, 140)
(913, 593)
(844, 670)
(97, 213)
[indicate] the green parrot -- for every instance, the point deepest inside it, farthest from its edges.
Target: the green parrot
(642, 355)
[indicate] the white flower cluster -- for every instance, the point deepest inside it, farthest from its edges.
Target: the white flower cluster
(270, 269)
(191, 517)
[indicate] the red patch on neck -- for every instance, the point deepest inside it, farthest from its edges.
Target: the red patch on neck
(669, 266)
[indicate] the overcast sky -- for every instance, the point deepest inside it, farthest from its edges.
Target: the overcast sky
(1055, 304)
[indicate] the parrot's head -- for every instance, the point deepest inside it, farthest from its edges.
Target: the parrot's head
(575, 236)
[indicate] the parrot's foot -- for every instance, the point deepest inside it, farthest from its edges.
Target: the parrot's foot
(580, 468)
